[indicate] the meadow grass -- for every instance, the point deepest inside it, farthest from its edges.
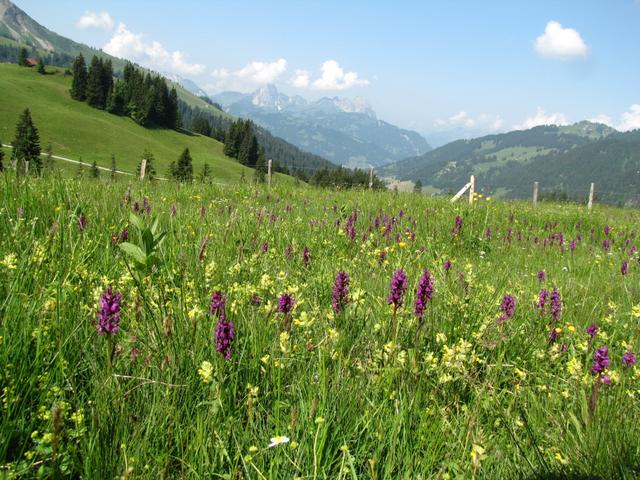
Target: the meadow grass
(458, 395)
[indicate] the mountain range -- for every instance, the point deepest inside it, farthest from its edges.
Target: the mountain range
(343, 130)
(563, 159)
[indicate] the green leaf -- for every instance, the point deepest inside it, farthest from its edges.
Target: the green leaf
(134, 251)
(136, 222)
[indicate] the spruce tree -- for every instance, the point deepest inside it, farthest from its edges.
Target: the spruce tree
(41, 69)
(79, 81)
(248, 154)
(233, 139)
(183, 169)
(113, 167)
(173, 112)
(417, 187)
(205, 175)
(26, 145)
(260, 172)
(95, 171)
(149, 171)
(96, 95)
(22, 57)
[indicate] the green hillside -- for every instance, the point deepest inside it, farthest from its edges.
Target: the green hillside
(564, 160)
(76, 130)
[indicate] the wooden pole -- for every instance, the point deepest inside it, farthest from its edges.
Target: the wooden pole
(535, 194)
(269, 172)
(370, 178)
(591, 189)
(472, 188)
(26, 167)
(143, 168)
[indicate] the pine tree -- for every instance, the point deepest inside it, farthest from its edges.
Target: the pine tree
(173, 111)
(201, 125)
(95, 171)
(417, 187)
(205, 175)
(261, 167)
(113, 167)
(149, 171)
(22, 57)
(182, 171)
(41, 69)
(233, 139)
(26, 145)
(79, 81)
(96, 95)
(48, 161)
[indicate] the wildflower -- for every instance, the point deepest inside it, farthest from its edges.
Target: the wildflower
(124, 235)
(278, 440)
(624, 268)
(224, 335)
(398, 286)
(206, 371)
(606, 244)
(256, 300)
(600, 360)
(592, 330)
(607, 230)
(217, 304)
(82, 222)
(458, 226)
(424, 292)
(202, 211)
(629, 358)
(487, 233)
(542, 300)
(508, 308)
(286, 302)
(174, 210)
(340, 291)
(542, 276)
(109, 313)
(572, 245)
(447, 266)
(556, 304)
(306, 256)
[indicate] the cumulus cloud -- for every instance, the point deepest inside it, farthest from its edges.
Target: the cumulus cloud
(252, 75)
(335, 78)
(602, 118)
(484, 121)
(630, 119)
(133, 46)
(542, 118)
(301, 79)
(560, 43)
(100, 20)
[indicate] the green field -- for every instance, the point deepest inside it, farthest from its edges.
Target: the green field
(475, 389)
(78, 131)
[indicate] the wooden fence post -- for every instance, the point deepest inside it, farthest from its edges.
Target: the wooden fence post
(472, 188)
(535, 194)
(143, 168)
(370, 178)
(591, 189)
(26, 167)
(269, 172)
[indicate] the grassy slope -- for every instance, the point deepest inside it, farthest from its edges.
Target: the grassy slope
(76, 130)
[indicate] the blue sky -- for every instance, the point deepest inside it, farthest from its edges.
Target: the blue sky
(468, 65)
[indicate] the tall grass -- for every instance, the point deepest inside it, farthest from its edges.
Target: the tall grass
(462, 397)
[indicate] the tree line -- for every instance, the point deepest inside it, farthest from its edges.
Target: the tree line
(145, 98)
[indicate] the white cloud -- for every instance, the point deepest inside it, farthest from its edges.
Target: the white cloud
(542, 118)
(484, 121)
(246, 79)
(334, 78)
(301, 79)
(132, 46)
(560, 43)
(262, 73)
(630, 119)
(602, 118)
(100, 20)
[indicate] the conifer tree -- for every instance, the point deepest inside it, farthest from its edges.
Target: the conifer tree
(41, 69)
(417, 187)
(22, 57)
(260, 172)
(183, 169)
(95, 171)
(79, 80)
(205, 174)
(95, 93)
(149, 171)
(113, 167)
(26, 145)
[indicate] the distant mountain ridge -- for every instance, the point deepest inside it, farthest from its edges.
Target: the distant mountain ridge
(343, 130)
(563, 159)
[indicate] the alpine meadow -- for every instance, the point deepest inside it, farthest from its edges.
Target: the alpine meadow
(228, 281)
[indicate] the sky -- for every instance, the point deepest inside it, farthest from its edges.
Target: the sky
(468, 66)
